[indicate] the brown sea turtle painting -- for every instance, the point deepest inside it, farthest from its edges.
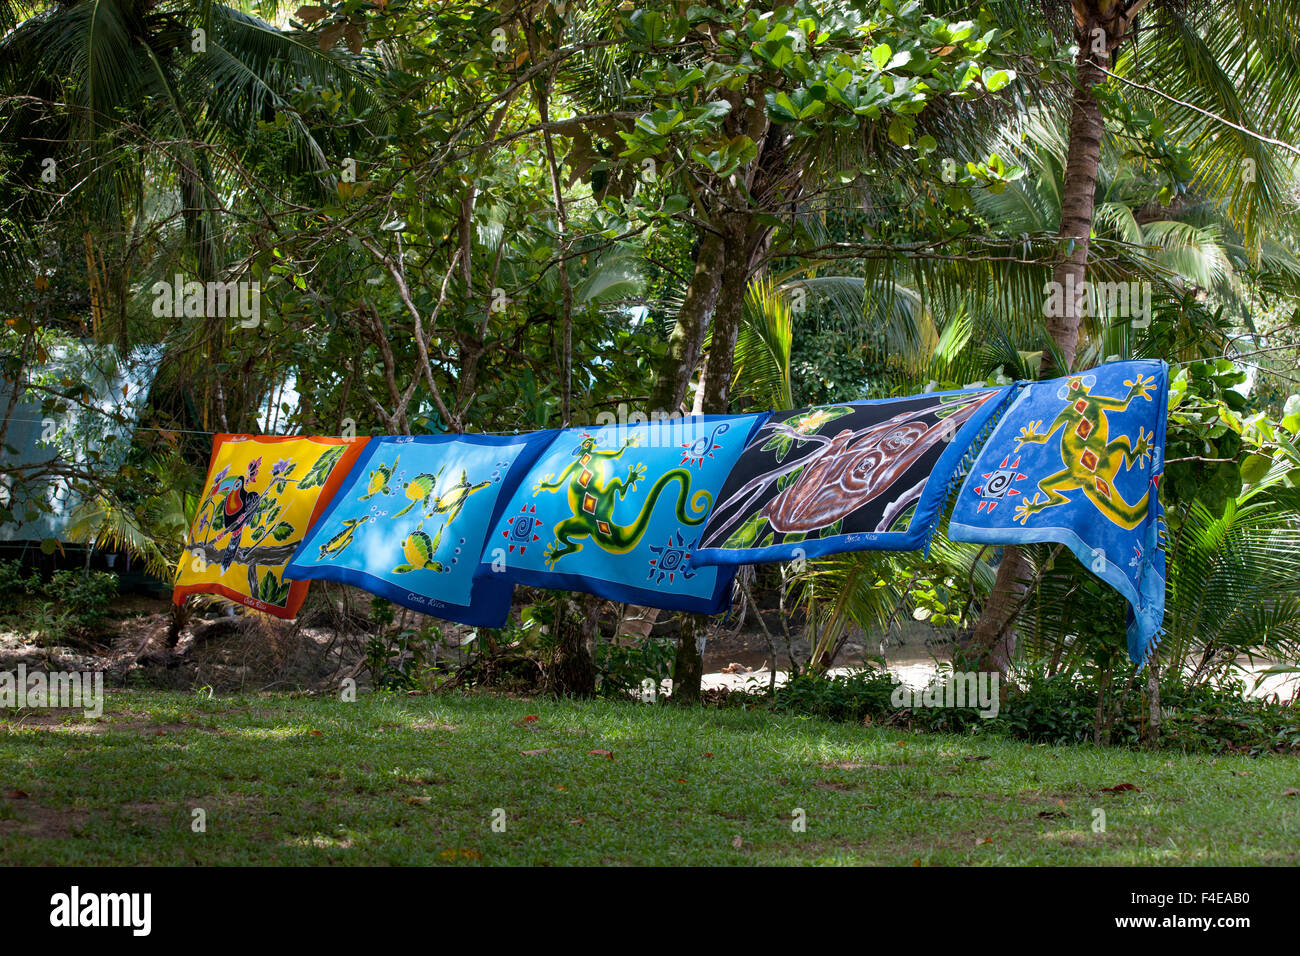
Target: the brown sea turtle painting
(856, 468)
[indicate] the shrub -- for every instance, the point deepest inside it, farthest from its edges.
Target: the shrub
(400, 658)
(13, 584)
(622, 671)
(1059, 709)
(847, 697)
(86, 596)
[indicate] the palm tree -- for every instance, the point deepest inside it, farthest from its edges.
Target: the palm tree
(1233, 584)
(1232, 592)
(120, 97)
(1228, 74)
(154, 532)
(960, 322)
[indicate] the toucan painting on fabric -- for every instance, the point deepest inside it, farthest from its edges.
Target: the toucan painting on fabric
(238, 506)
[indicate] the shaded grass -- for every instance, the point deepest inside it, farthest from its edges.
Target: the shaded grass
(416, 780)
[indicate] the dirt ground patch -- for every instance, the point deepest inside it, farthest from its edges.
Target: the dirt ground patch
(230, 650)
(25, 817)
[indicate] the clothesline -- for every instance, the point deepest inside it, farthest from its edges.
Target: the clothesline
(209, 434)
(193, 431)
(139, 428)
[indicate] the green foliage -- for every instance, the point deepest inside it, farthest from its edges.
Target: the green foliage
(85, 596)
(762, 370)
(830, 80)
(1206, 427)
(1234, 587)
(142, 510)
(14, 584)
(1060, 709)
(844, 697)
(400, 658)
(830, 366)
(623, 670)
(1074, 624)
(873, 590)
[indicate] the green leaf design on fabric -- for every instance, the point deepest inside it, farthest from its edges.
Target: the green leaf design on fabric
(271, 590)
(951, 404)
(748, 534)
(320, 471)
(788, 479)
(903, 521)
(781, 443)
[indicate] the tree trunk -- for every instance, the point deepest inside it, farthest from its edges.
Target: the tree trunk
(180, 617)
(993, 642)
(995, 636)
(675, 371)
(1077, 201)
(566, 289)
(688, 666)
(713, 398)
(728, 251)
(637, 622)
(572, 672)
(716, 383)
(687, 339)
(1151, 736)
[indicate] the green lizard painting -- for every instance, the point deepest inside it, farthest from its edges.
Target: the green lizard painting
(1092, 459)
(593, 491)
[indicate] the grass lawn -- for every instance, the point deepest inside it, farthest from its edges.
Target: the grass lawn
(416, 780)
